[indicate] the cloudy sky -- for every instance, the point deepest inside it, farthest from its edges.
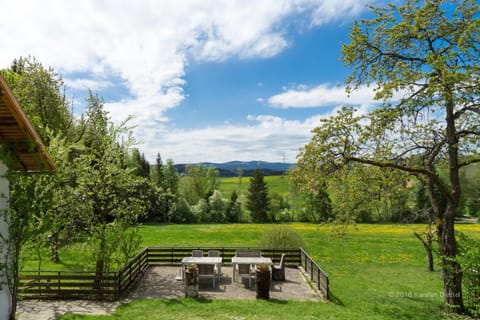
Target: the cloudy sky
(206, 80)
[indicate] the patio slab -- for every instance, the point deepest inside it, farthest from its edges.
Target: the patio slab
(160, 282)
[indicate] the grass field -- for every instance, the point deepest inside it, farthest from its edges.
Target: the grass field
(279, 184)
(376, 272)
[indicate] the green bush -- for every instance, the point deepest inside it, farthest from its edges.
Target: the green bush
(282, 237)
(470, 262)
(181, 212)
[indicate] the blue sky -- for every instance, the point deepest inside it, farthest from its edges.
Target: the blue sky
(205, 80)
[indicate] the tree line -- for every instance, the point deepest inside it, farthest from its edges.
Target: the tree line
(103, 184)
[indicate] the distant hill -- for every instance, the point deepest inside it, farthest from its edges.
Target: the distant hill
(230, 169)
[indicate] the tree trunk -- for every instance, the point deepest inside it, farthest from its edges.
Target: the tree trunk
(14, 284)
(430, 259)
(452, 274)
(427, 244)
(53, 237)
(100, 264)
(98, 274)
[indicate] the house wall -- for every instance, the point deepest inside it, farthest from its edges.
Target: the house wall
(5, 296)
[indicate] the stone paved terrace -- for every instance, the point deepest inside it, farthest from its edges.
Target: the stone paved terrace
(159, 282)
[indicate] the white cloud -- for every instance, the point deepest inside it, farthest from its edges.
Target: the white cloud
(323, 95)
(327, 11)
(266, 137)
(92, 84)
(147, 44)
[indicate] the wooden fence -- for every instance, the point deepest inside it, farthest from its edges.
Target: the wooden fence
(173, 256)
(317, 275)
(67, 285)
(112, 286)
(132, 272)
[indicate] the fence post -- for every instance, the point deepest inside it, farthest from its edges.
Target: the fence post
(147, 252)
(311, 269)
(303, 260)
(118, 283)
(147, 256)
(130, 273)
(59, 282)
(327, 288)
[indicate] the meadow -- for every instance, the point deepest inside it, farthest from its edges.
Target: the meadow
(376, 272)
(279, 184)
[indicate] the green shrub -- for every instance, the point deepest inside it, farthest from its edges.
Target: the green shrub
(282, 237)
(181, 212)
(470, 262)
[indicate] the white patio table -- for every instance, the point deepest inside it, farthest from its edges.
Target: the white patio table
(217, 261)
(249, 260)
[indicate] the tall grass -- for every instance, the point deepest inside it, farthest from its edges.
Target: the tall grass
(376, 272)
(279, 184)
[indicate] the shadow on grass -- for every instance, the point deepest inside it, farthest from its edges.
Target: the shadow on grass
(203, 300)
(336, 300)
(277, 301)
(71, 266)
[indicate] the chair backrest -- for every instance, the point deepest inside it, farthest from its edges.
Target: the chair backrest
(197, 253)
(206, 269)
(243, 269)
(282, 261)
(213, 253)
(248, 253)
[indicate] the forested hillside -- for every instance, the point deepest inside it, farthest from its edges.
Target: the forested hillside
(245, 168)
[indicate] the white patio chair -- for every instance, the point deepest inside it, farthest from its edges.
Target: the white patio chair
(207, 271)
(197, 253)
(213, 253)
(248, 253)
(278, 271)
(245, 272)
(216, 253)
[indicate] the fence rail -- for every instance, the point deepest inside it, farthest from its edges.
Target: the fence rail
(112, 286)
(317, 275)
(59, 284)
(174, 256)
(132, 272)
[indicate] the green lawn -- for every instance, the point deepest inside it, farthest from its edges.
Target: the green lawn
(279, 184)
(376, 272)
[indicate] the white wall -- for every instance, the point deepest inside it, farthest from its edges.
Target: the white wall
(5, 297)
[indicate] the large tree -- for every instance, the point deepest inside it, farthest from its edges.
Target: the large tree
(422, 58)
(199, 182)
(258, 201)
(106, 189)
(32, 200)
(370, 194)
(40, 92)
